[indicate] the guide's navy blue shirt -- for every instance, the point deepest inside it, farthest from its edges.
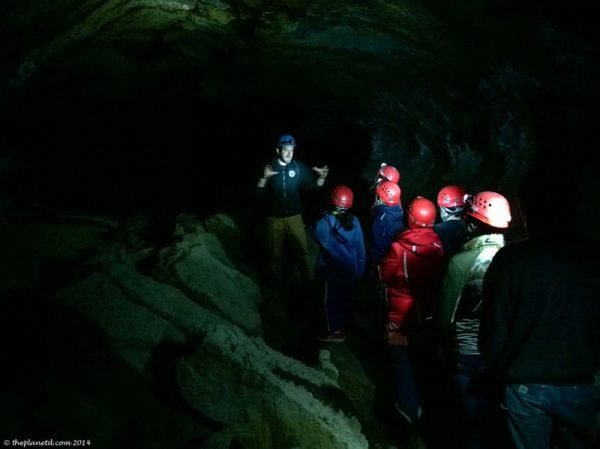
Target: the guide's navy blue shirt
(282, 191)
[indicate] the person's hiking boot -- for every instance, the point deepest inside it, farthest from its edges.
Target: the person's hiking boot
(338, 336)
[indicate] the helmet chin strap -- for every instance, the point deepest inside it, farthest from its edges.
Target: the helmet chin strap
(377, 201)
(446, 214)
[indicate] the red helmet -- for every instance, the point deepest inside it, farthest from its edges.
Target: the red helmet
(421, 213)
(388, 172)
(342, 196)
(490, 208)
(451, 196)
(389, 192)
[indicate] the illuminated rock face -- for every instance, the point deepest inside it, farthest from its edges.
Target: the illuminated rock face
(121, 107)
(168, 335)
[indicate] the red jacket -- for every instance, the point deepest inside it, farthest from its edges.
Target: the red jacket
(413, 271)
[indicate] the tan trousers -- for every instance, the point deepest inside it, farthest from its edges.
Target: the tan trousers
(288, 232)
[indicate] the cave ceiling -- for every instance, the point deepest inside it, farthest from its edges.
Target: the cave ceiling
(439, 88)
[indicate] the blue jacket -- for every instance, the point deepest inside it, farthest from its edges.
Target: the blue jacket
(453, 234)
(341, 252)
(386, 223)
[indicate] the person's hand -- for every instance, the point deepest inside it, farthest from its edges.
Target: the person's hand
(268, 171)
(395, 338)
(321, 171)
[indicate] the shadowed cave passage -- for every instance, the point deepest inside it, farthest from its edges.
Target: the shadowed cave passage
(162, 153)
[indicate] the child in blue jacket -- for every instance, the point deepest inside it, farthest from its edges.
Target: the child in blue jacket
(340, 261)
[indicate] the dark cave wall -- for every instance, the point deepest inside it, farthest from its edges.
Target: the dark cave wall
(152, 148)
(120, 108)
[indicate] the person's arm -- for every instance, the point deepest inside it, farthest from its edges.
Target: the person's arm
(388, 267)
(452, 286)
(268, 172)
(322, 172)
(360, 246)
(380, 243)
(397, 307)
(400, 298)
(495, 312)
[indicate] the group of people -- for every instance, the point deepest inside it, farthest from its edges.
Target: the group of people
(462, 307)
